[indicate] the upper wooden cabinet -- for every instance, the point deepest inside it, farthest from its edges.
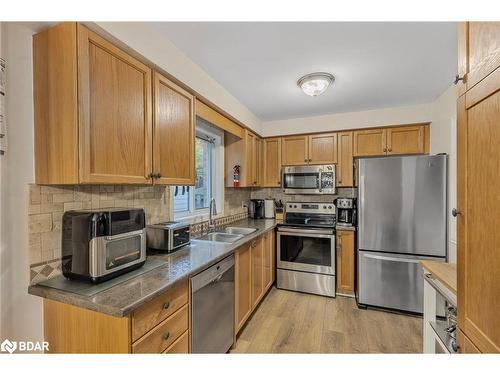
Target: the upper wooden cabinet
(309, 149)
(271, 164)
(478, 52)
(370, 142)
(94, 114)
(405, 140)
(399, 140)
(247, 153)
(173, 133)
(344, 170)
(322, 148)
(294, 150)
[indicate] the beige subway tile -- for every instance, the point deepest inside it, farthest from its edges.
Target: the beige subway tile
(33, 209)
(46, 198)
(34, 194)
(64, 197)
(39, 223)
(51, 240)
(34, 239)
(47, 255)
(57, 220)
(51, 207)
(107, 188)
(35, 254)
(86, 205)
(73, 206)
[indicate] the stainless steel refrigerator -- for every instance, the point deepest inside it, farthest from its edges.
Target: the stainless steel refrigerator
(401, 220)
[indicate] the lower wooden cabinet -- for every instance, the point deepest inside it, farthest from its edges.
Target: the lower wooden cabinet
(257, 270)
(345, 261)
(254, 275)
(159, 326)
(243, 285)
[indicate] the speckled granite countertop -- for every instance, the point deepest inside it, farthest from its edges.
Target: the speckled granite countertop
(120, 300)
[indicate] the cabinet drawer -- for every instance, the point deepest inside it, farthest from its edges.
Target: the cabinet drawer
(180, 346)
(157, 310)
(164, 334)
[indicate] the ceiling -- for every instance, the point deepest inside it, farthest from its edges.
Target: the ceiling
(375, 64)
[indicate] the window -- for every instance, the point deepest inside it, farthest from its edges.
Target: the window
(191, 201)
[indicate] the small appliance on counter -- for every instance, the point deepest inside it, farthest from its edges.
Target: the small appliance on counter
(346, 211)
(257, 208)
(168, 236)
(269, 208)
(98, 245)
(279, 210)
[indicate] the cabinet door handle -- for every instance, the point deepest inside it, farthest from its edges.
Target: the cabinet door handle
(455, 212)
(458, 79)
(166, 305)
(305, 160)
(385, 150)
(390, 150)
(150, 176)
(166, 336)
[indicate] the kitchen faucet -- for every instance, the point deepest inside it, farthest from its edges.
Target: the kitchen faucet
(211, 211)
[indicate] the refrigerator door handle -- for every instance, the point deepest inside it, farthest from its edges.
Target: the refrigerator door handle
(391, 259)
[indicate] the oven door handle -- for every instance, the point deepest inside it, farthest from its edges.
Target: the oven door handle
(311, 231)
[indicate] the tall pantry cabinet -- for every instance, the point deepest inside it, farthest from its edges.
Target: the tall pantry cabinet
(478, 201)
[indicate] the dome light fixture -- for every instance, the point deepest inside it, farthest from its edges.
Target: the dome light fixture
(315, 84)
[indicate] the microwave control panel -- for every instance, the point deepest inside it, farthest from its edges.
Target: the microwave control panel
(328, 180)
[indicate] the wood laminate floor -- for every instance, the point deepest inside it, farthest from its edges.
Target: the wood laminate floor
(290, 322)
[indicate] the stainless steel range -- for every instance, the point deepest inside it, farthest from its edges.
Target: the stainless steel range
(306, 248)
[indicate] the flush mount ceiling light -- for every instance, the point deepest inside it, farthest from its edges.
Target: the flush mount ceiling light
(315, 84)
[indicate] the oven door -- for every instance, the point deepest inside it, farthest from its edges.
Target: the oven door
(302, 180)
(109, 254)
(309, 250)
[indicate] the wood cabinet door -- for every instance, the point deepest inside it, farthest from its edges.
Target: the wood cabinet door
(257, 270)
(294, 150)
(243, 285)
(250, 159)
(405, 140)
(478, 204)
(344, 170)
(173, 133)
(479, 50)
(272, 162)
(114, 113)
(258, 158)
(267, 261)
(345, 261)
(371, 142)
(323, 148)
(464, 345)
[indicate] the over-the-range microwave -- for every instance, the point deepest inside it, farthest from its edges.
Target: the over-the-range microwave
(310, 179)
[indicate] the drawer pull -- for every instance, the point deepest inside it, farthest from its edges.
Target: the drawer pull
(166, 336)
(166, 305)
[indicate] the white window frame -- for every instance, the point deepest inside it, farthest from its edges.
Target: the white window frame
(205, 129)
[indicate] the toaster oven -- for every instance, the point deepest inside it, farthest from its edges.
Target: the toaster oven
(168, 236)
(99, 245)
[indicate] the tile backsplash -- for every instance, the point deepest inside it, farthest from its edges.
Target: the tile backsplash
(277, 193)
(48, 203)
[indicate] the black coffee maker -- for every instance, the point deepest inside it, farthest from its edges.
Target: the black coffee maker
(256, 209)
(345, 211)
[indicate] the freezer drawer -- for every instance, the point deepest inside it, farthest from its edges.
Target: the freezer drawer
(391, 281)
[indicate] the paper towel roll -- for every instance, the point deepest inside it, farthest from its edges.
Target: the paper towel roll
(269, 208)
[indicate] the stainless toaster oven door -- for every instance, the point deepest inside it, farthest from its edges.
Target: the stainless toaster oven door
(112, 253)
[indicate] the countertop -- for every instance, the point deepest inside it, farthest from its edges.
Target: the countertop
(444, 272)
(121, 299)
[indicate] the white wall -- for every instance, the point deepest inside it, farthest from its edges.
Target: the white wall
(444, 139)
(163, 53)
(21, 314)
(339, 121)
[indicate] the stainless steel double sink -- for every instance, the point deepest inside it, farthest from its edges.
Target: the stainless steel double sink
(228, 234)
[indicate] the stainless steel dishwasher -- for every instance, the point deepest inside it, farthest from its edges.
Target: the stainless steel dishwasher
(212, 308)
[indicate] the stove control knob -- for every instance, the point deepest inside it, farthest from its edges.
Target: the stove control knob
(295, 206)
(330, 207)
(324, 207)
